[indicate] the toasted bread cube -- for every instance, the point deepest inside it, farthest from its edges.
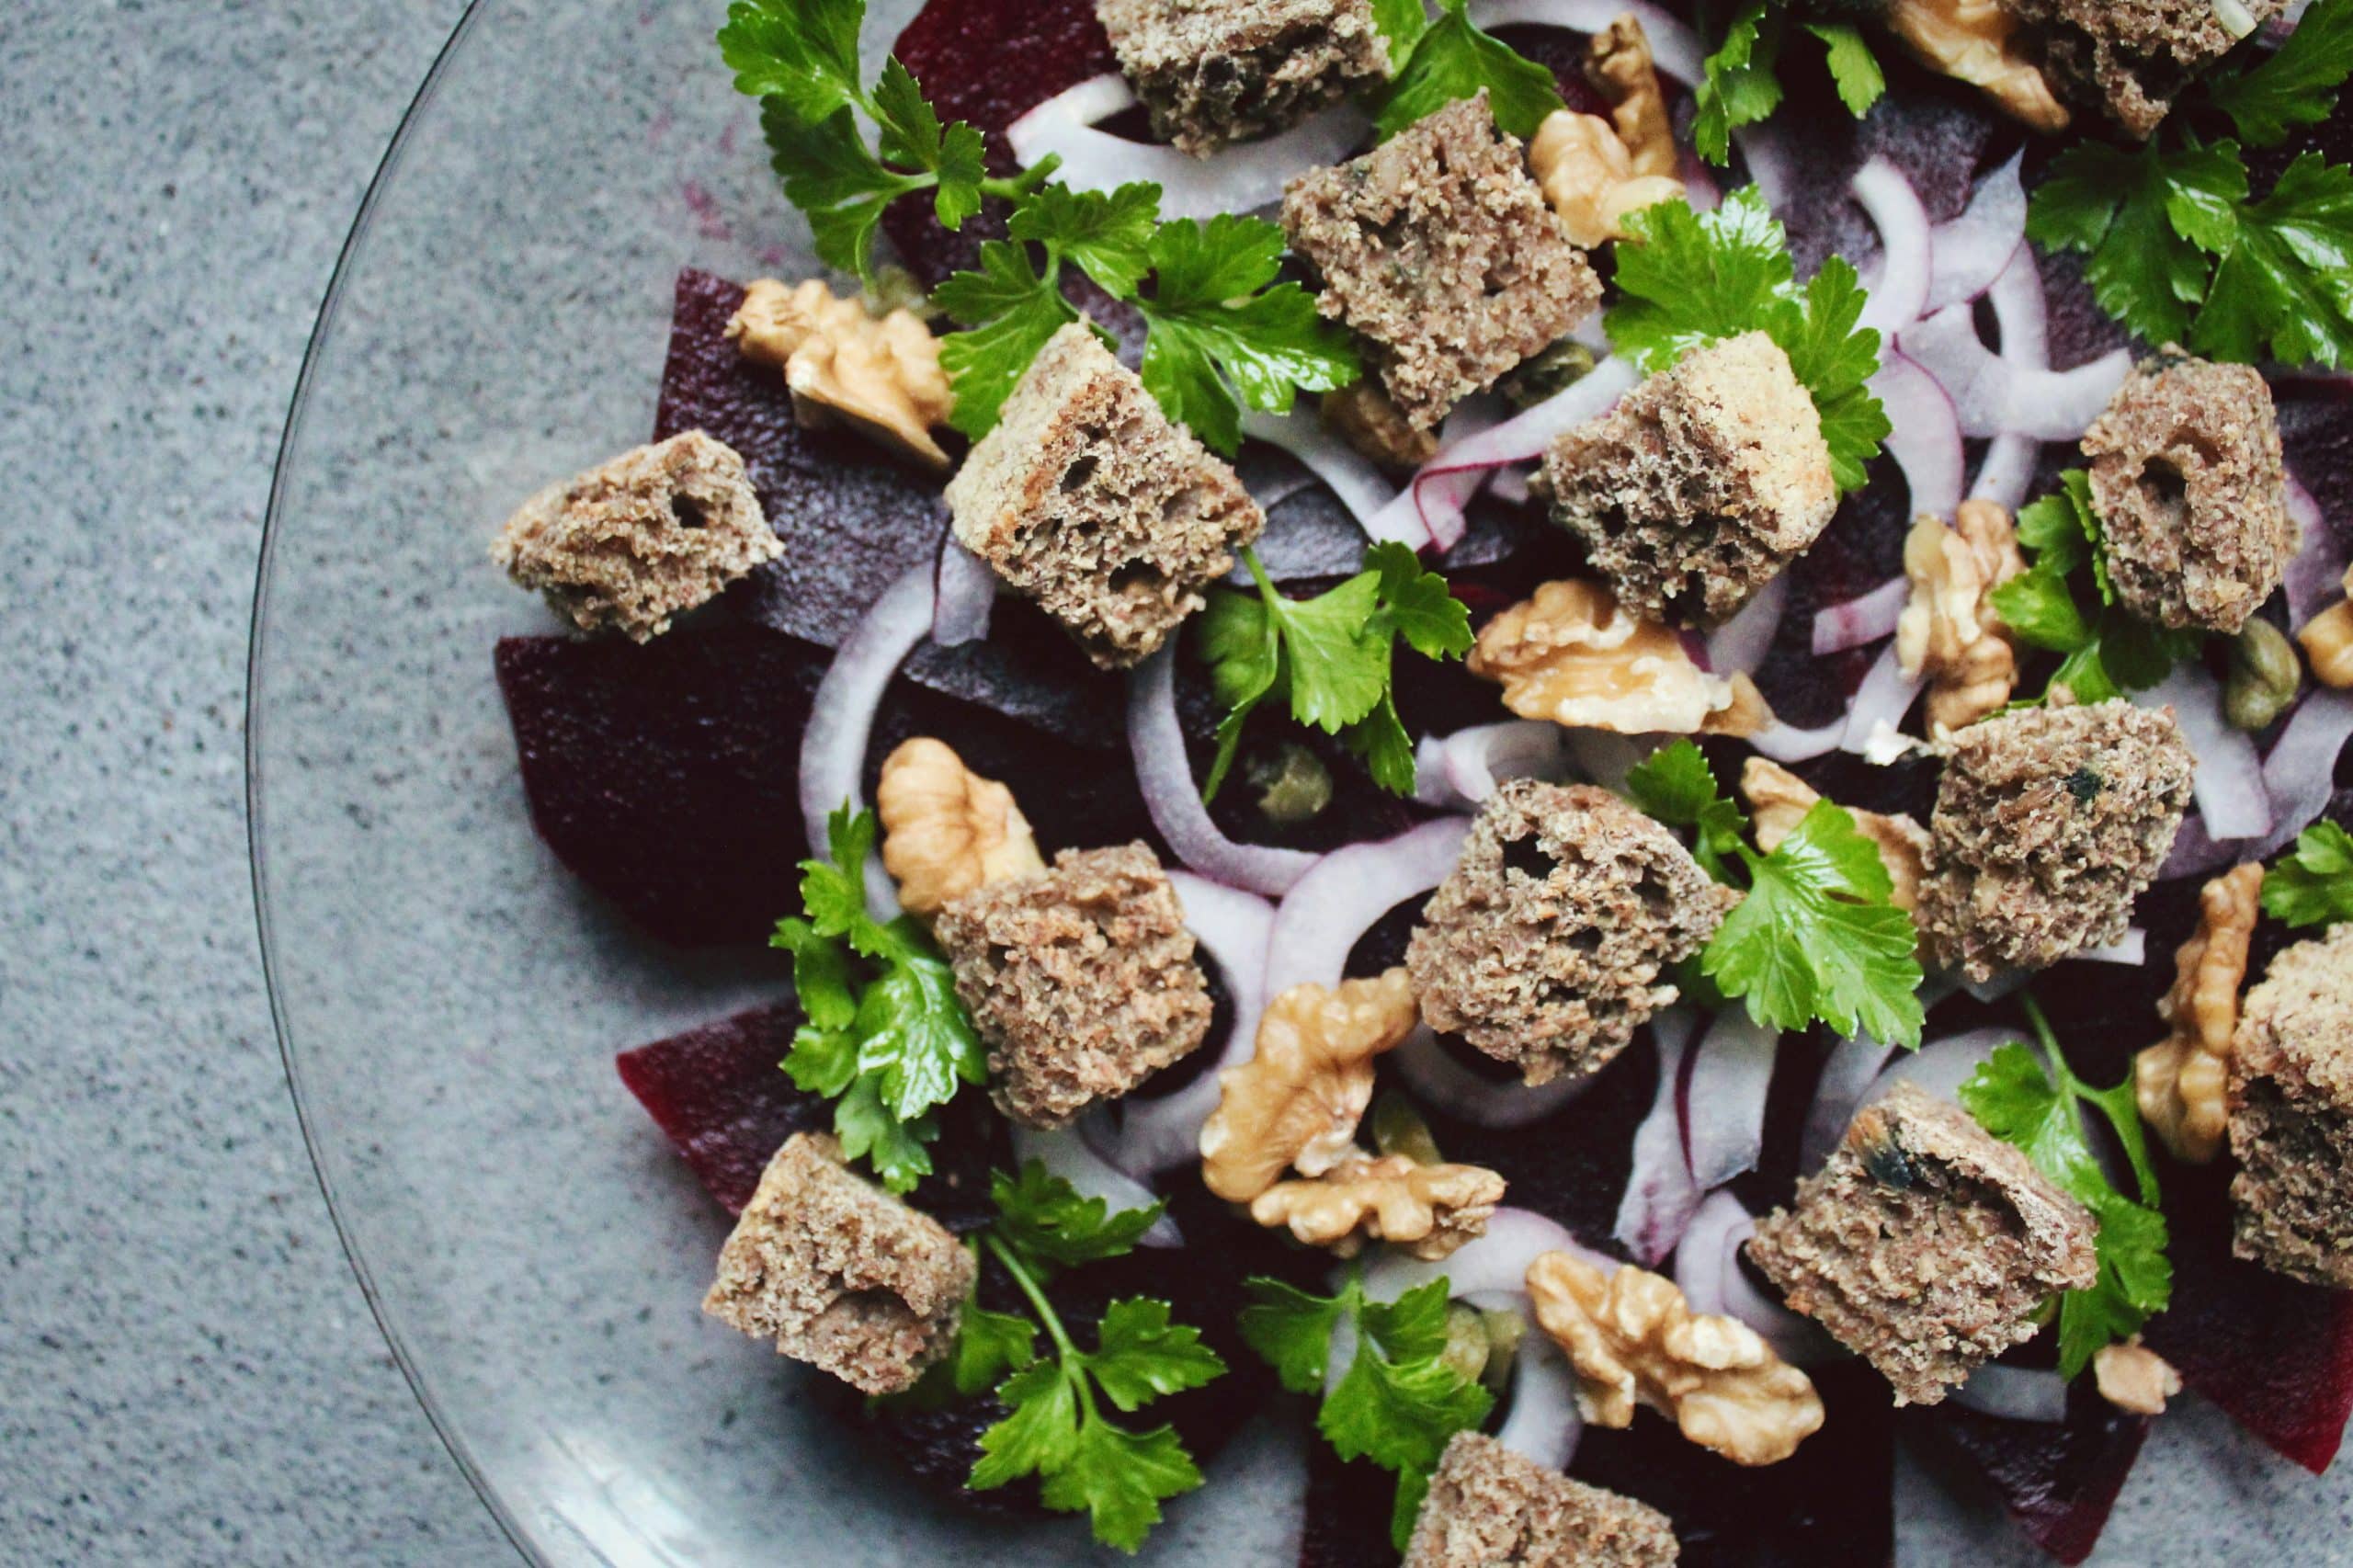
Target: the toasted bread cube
(1085, 498)
(1489, 1507)
(839, 1273)
(2292, 1114)
(650, 535)
(1218, 70)
(1439, 250)
(1701, 486)
(1926, 1244)
(2131, 58)
(1081, 980)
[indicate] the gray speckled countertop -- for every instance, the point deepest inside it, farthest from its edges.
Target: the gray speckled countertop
(188, 1371)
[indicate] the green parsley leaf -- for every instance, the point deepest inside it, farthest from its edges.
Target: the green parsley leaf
(2312, 884)
(1012, 311)
(1738, 86)
(1042, 1217)
(1140, 1355)
(2281, 280)
(988, 1345)
(2297, 85)
(1420, 605)
(835, 182)
(1402, 25)
(1107, 234)
(1039, 1434)
(1119, 1478)
(2109, 651)
(1675, 786)
(1854, 69)
(1696, 278)
(2117, 207)
(1453, 60)
(1291, 1331)
(954, 155)
(803, 54)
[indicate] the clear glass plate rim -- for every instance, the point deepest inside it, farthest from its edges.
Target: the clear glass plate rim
(289, 440)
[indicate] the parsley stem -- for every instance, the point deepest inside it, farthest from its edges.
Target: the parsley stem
(1067, 1353)
(2063, 1074)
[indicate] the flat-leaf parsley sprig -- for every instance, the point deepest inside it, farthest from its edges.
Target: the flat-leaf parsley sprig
(1738, 84)
(886, 1041)
(2313, 884)
(2034, 1106)
(1399, 1401)
(1695, 278)
(1055, 1426)
(2106, 651)
(1815, 936)
(1438, 62)
(1332, 658)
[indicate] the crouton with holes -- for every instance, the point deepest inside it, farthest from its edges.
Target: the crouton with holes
(2129, 59)
(1489, 1507)
(1218, 70)
(2187, 479)
(1439, 249)
(1086, 499)
(2049, 823)
(650, 535)
(1081, 980)
(2292, 1114)
(1926, 1244)
(839, 1273)
(1701, 486)
(1547, 946)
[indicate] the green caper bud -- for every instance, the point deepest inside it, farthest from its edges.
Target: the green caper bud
(1468, 1349)
(1293, 785)
(1545, 373)
(1503, 1331)
(1398, 1128)
(2264, 675)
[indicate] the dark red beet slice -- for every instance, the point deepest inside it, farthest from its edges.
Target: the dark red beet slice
(1348, 1507)
(2276, 1354)
(718, 1091)
(2057, 1479)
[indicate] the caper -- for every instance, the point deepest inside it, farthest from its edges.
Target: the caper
(1468, 1349)
(2264, 675)
(1398, 1128)
(1503, 1331)
(1293, 785)
(1548, 371)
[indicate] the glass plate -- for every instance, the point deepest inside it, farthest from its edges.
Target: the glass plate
(450, 999)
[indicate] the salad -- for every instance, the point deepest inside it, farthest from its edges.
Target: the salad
(1599, 743)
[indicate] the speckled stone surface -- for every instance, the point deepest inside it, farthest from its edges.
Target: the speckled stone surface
(188, 1371)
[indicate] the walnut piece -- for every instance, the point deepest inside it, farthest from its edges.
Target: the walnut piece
(1619, 65)
(1297, 1101)
(1571, 656)
(1428, 1210)
(1634, 1340)
(1779, 799)
(1588, 176)
(2328, 641)
(879, 376)
(2182, 1082)
(1948, 632)
(946, 830)
(1971, 40)
(2133, 1378)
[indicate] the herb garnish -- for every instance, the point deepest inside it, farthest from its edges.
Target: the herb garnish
(1332, 658)
(1438, 62)
(1399, 1401)
(2183, 252)
(1817, 936)
(2014, 1098)
(1055, 1429)
(1694, 278)
(886, 1040)
(2313, 884)
(1738, 86)
(2107, 652)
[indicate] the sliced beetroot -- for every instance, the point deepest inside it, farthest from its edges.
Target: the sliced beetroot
(2277, 1354)
(1348, 1506)
(2316, 431)
(2059, 1480)
(719, 1094)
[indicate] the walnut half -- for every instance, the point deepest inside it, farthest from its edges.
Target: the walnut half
(2328, 641)
(1971, 41)
(1297, 1101)
(879, 375)
(2133, 1378)
(2182, 1082)
(946, 830)
(1573, 656)
(1428, 1210)
(1634, 1340)
(1778, 801)
(1948, 632)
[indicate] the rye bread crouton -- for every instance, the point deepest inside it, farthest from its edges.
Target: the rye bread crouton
(1701, 486)
(839, 1273)
(1086, 499)
(1489, 1507)
(2292, 1114)
(1439, 249)
(1212, 71)
(1547, 945)
(1926, 1244)
(2130, 57)
(1081, 980)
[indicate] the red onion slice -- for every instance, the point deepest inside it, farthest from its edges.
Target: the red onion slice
(1925, 437)
(2315, 578)
(1724, 1088)
(2023, 313)
(2014, 1393)
(1675, 48)
(1740, 644)
(1967, 253)
(1353, 478)
(1064, 1153)
(1444, 1083)
(1767, 155)
(1885, 695)
(1659, 1194)
(1996, 397)
(1458, 772)
(1854, 1066)
(1942, 1066)
(1706, 1270)
(1859, 623)
(965, 594)
(1543, 1423)
(2132, 949)
(2228, 783)
(1240, 178)
(1497, 1259)
(2301, 772)
(841, 715)
(1784, 744)
(1442, 500)
(1336, 902)
(1147, 1134)
(1899, 286)
(1164, 774)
